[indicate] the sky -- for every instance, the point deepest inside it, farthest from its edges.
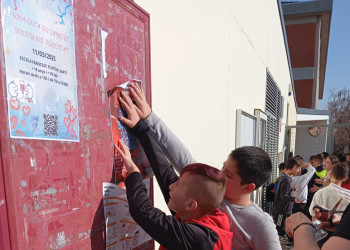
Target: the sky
(338, 61)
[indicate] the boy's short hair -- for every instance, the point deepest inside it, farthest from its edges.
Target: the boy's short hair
(282, 166)
(348, 164)
(292, 162)
(300, 159)
(325, 155)
(340, 171)
(209, 188)
(318, 158)
(253, 165)
(340, 155)
(311, 158)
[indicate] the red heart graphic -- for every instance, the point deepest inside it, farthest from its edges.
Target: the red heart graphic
(24, 122)
(19, 132)
(66, 122)
(68, 106)
(72, 123)
(26, 110)
(75, 113)
(72, 133)
(14, 120)
(15, 104)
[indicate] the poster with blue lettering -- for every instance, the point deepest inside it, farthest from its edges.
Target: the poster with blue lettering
(39, 50)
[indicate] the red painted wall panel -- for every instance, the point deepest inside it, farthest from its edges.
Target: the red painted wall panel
(303, 92)
(301, 42)
(4, 223)
(54, 189)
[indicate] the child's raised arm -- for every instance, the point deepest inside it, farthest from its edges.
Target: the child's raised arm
(162, 169)
(176, 152)
(126, 158)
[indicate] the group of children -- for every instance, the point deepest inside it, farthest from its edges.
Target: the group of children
(211, 208)
(323, 180)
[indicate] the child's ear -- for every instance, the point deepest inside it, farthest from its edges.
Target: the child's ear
(248, 188)
(191, 205)
(345, 179)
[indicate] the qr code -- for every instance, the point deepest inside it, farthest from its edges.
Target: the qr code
(50, 125)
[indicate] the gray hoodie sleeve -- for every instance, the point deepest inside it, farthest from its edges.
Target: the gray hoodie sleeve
(299, 184)
(176, 152)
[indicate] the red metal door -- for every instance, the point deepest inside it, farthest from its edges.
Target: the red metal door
(54, 188)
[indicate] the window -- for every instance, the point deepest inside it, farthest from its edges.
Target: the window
(245, 129)
(261, 129)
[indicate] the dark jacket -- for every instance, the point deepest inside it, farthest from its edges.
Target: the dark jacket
(344, 225)
(283, 200)
(311, 183)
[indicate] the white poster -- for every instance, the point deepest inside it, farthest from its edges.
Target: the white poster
(121, 230)
(41, 80)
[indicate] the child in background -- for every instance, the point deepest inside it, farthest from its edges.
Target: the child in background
(329, 196)
(330, 161)
(284, 200)
(311, 160)
(346, 184)
(282, 169)
(300, 187)
(347, 155)
(312, 185)
(272, 187)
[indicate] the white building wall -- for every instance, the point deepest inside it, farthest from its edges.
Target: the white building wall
(209, 58)
(291, 121)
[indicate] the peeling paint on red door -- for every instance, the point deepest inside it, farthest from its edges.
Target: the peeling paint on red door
(54, 189)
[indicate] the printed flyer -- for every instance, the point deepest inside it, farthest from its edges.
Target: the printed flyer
(121, 230)
(41, 80)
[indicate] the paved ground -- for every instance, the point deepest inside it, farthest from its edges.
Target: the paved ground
(285, 247)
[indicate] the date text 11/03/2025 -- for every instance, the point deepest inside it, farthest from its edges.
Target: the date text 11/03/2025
(43, 54)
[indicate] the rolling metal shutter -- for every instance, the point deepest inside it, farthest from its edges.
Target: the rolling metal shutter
(273, 111)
